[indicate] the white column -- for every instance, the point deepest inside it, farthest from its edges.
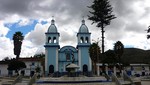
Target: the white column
(98, 70)
(90, 64)
(64, 67)
(78, 39)
(57, 59)
(106, 68)
(79, 58)
(46, 59)
(114, 70)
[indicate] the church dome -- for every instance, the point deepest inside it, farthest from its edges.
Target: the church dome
(83, 28)
(52, 28)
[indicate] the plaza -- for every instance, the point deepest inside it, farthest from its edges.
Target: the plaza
(58, 61)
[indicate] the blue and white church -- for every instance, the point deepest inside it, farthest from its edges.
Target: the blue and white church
(57, 59)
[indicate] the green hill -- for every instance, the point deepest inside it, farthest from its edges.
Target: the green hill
(135, 55)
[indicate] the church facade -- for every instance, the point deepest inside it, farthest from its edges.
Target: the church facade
(57, 59)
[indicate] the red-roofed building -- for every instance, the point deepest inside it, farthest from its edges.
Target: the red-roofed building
(31, 65)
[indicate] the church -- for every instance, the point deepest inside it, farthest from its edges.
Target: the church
(57, 59)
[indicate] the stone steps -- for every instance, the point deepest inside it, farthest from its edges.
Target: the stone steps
(110, 83)
(23, 82)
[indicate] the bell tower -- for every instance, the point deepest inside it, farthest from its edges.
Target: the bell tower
(51, 49)
(84, 42)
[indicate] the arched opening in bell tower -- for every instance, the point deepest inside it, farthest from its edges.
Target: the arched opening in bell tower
(86, 40)
(54, 39)
(49, 40)
(81, 40)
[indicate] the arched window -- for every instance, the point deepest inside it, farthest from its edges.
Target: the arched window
(51, 69)
(81, 40)
(86, 40)
(49, 40)
(54, 39)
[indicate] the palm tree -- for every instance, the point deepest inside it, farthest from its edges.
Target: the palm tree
(119, 49)
(17, 38)
(94, 52)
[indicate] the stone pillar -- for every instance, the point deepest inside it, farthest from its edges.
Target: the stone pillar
(106, 69)
(98, 70)
(115, 70)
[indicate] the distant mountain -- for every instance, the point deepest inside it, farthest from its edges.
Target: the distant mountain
(135, 55)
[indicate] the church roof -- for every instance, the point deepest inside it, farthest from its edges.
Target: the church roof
(69, 48)
(83, 28)
(52, 28)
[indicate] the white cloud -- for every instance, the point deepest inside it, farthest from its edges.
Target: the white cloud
(25, 21)
(37, 36)
(3, 30)
(6, 48)
(136, 40)
(34, 41)
(132, 19)
(12, 19)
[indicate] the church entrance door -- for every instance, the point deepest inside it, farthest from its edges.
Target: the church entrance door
(85, 68)
(51, 69)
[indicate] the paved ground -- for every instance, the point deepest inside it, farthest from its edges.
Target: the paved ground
(145, 82)
(8, 81)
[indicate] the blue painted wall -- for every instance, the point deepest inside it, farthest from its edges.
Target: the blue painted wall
(59, 58)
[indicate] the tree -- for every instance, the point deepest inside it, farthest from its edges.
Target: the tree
(6, 59)
(17, 38)
(119, 49)
(42, 58)
(102, 15)
(16, 65)
(38, 70)
(110, 57)
(41, 55)
(94, 52)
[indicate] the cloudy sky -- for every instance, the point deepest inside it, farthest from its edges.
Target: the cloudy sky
(32, 18)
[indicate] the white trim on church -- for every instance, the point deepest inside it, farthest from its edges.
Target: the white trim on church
(61, 57)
